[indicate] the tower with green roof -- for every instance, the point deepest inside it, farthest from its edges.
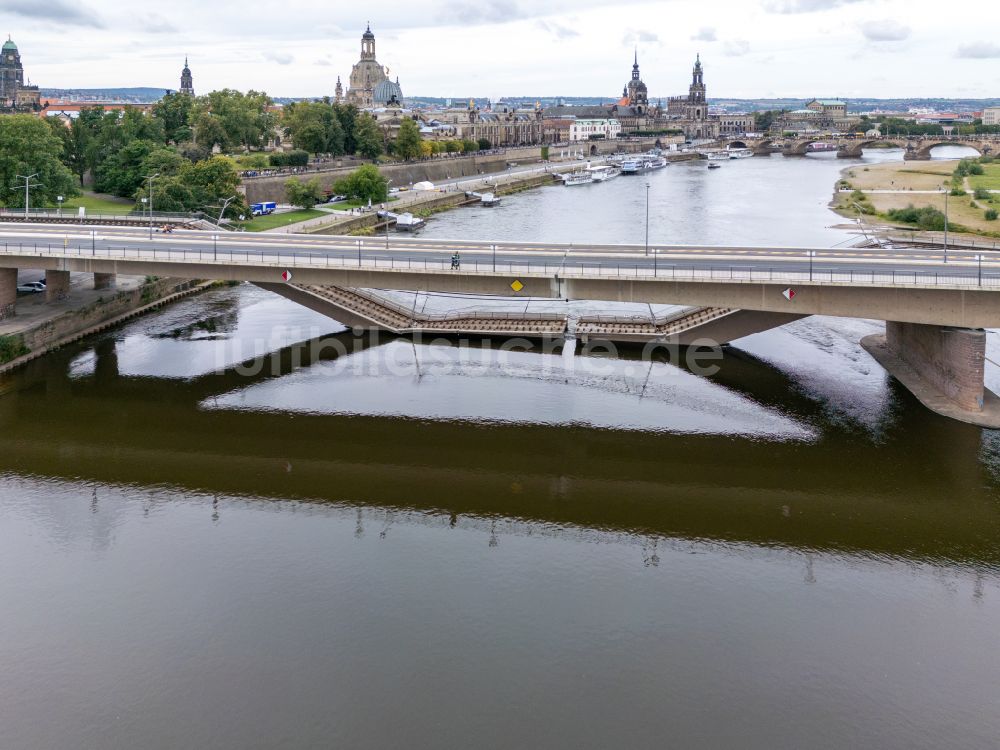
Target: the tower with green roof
(14, 95)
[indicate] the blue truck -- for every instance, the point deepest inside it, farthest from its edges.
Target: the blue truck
(262, 209)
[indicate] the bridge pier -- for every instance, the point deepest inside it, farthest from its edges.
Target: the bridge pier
(104, 281)
(943, 366)
(8, 292)
(56, 285)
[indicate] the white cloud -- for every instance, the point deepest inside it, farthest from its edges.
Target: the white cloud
(282, 58)
(885, 31)
(558, 30)
(804, 6)
(736, 48)
(705, 34)
(979, 50)
(639, 36)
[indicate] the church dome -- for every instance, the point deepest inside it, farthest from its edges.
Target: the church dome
(386, 91)
(368, 33)
(9, 45)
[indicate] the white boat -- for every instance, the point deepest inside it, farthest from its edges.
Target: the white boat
(644, 163)
(604, 172)
(740, 153)
(578, 178)
(405, 222)
(718, 155)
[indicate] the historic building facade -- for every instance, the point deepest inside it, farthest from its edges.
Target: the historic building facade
(15, 95)
(500, 124)
(636, 114)
(369, 85)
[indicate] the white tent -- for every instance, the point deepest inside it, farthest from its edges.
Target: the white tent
(425, 185)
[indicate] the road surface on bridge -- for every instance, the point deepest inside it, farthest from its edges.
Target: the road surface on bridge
(923, 265)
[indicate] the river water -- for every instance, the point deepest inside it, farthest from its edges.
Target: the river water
(427, 545)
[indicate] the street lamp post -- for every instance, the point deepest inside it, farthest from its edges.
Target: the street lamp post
(215, 247)
(946, 226)
(225, 205)
(59, 200)
(27, 186)
(647, 218)
(149, 179)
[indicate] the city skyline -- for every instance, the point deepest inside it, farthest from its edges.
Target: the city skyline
(765, 48)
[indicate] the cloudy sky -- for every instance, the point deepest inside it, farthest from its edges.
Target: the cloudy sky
(454, 48)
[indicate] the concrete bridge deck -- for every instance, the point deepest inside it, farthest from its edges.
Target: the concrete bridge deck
(921, 290)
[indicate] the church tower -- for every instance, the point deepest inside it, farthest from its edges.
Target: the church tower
(339, 91)
(636, 89)
(366, 74)
(696, 94)
(187, 83)
(368, 44)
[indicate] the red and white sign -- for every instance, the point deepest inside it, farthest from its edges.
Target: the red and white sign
(286, 276)
(788, 294)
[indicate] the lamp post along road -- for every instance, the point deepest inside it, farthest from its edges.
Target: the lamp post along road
(27, 187)
(225, 205)
(647, 218)
(946, 226)
(149, 179)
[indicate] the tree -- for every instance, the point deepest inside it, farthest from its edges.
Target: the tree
(762, 121)
(314, 127)
(367, 137)
(408, 140)
(174, 112)
(28, 146)
(201, 186)
(426, 148)
(347, 116)
(469, 146)
(122, 172)
(364, 183)
(484, 144)
(230, 118)
(303, 194)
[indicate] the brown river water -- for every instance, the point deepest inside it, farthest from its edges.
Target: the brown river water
(213, 537)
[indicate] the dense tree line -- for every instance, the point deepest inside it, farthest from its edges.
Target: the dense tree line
(28, 146)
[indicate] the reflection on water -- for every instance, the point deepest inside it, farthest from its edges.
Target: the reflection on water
(212, 537)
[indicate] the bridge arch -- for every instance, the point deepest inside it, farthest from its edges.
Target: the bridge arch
(854, 150)
(737, 144)
(925, 150)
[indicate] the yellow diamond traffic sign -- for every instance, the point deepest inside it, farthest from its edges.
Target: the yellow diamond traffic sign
(516, 285)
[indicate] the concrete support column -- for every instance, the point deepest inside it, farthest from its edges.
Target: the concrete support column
(8, 292)
(104, 281)
(56, 285)
(952, 360)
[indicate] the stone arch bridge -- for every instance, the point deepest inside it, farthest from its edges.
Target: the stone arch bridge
(918, 149)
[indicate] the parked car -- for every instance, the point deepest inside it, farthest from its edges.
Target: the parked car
(32, 287)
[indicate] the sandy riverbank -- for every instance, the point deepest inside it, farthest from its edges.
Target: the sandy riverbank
(892, 185)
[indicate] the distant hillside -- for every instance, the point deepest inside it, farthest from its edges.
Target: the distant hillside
(137, 95)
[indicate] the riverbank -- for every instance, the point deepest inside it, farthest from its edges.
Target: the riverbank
(424, 203)
(44, 327)
(881, 188)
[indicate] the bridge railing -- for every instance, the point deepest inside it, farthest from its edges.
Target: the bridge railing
(68, 214)
(968, 271)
